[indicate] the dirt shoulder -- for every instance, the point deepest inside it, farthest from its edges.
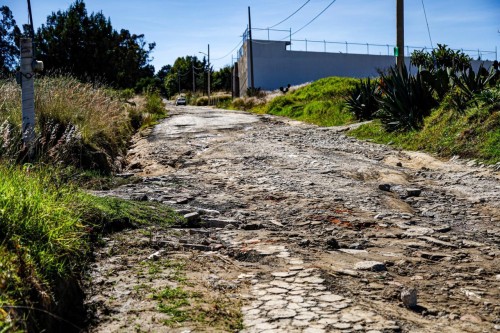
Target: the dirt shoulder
(297, 228)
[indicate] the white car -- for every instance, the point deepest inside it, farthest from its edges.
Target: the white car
(180, 100)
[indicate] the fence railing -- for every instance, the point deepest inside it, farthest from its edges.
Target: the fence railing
(309, 45)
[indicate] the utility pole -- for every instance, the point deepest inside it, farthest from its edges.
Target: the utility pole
(400, 34)
(208, 74)
(250, 46)
(28, 90)
(194, 81)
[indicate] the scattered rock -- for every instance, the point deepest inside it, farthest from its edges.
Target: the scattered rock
(413, 192)
(374, 266)
(156, 255)
(332, 244)
(304, 242)
(282, 314)
(409, 297)
(384, 187)
(252, 226)
(192, 219)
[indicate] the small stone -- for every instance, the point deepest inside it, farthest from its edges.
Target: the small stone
(373, 266)
(471, 318)
(399, 164)
(409, 297)
(192, 219)
(413, 192)
(304, 242)
(283, 274)
(252, 226)
(332, 244)
(281, 313)
(341, 326)
(330, 298)
(384, 187)
(277, 290)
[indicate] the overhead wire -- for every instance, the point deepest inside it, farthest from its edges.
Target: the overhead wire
(295, 12)
(427, 21)
(314, 19)
(229, 53)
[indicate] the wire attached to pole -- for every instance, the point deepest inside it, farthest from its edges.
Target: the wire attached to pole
(426, 21)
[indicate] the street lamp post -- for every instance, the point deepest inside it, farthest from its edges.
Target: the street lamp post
(208, 55)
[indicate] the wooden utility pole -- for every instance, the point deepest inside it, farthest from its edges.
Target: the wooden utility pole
(250, 47)
(400, 34)
(28, 90)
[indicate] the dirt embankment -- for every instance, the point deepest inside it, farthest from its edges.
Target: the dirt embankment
(301, 229)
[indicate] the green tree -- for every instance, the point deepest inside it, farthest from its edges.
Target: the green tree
(222, 79)
(88, 47)
(9, 35)
(181, 74)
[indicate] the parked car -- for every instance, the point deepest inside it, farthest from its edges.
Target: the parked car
(181, 100)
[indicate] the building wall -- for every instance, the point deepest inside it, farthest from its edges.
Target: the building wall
(275, 66)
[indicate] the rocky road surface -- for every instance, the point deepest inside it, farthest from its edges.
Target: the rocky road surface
(306, 229)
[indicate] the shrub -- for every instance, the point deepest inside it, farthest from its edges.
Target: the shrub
(405, 100)
(154, 104)
(202, 101)
(362, 101)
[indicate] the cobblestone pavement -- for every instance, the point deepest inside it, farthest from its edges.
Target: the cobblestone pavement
(322, 232)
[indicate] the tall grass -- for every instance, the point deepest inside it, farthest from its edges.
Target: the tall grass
(46, 232)
(76, 123)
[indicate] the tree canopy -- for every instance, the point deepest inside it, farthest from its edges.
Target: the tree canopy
(9, 34)
(88, 47)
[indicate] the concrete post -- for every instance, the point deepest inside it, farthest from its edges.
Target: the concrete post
(28, 91)
(208, 74)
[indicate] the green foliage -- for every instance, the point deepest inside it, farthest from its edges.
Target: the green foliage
(362, 101)
(405, 100)
(472, 133)
(89, 48)
(441, 58)
(181, 74)
(471, 83)
(9, 37)
(46, 230)
(321, 102)
(154, 104)
(221, 79)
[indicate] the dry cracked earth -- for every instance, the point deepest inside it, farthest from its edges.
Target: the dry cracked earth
(298, 228)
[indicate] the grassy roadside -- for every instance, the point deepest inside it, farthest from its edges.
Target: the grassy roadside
(321, 102)
(47, 231)
(48, 225)
(78, 124)
(473, 133)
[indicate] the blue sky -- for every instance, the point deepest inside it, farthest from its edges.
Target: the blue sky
(185, 27)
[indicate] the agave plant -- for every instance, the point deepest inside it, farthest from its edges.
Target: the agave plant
(472, 83)
(404, 101)
(362, 101)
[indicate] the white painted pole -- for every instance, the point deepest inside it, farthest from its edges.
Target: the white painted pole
(28, 90)
(208, 74)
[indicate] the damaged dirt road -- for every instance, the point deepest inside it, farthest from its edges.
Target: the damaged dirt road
(297, 228)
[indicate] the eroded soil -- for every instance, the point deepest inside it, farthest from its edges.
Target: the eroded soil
(296, 228)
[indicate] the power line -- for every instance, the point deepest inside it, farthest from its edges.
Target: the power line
(426, 21)
(229, 53)
(314, 19)
(295, 12)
